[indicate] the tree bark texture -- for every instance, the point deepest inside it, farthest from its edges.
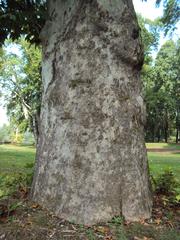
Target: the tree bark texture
(91, 160)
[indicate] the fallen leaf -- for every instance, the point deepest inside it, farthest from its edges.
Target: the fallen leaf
(108, 238)
(102, 229)
(35, 205)
(29, 223)
(158, 221)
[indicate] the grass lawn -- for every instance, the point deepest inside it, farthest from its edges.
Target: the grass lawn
(170, 146)
(15, 158)
(165, 160)
(39, 224)
(159, 162)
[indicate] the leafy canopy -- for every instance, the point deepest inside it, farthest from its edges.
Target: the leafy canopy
(22, 17)
(171, 14)
(27, 17)
(20, 81)
(162, 93)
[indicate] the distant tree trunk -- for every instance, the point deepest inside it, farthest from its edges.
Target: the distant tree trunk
(177, 125)
(166, 127)
(166, 136)
(159, 134)
(91, 160)
(153, 134)
(177, 135)
(35, 126)
(166, 133)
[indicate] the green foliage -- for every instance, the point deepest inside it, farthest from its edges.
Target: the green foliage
(17, 138)
(12, 182)
(166, 183)
(90, 234)
(20, 80)
(150, 31)
(28, 139)
(117, 220)
(7, 209)
(171, 14)
(22, 17)
(5, 134)
(16, 168)
(14, 206)
(19, 17)
(161, 88)
(161, 82)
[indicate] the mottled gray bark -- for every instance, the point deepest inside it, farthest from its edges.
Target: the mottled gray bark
(91, 161)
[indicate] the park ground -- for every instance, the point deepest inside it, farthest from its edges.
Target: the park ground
(21, 219)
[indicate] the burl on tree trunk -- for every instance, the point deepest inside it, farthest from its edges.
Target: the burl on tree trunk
(91, 160)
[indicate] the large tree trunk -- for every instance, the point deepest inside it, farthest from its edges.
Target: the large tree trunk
(91, 161)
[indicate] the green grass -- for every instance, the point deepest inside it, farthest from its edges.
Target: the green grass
(14, 158)
(151, 232)
(170, 146)
(159, 162)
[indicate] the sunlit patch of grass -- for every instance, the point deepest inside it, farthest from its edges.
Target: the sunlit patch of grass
(159, 162)
(170, 146)
(14, 158)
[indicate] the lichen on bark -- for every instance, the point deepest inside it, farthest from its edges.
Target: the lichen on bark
(91, 161)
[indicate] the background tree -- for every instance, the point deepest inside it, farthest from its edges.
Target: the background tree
(159, 78)
(5, 134)
(171, 14)
(150, 32)
(20, 80)
(162, 93)
(18, 16)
